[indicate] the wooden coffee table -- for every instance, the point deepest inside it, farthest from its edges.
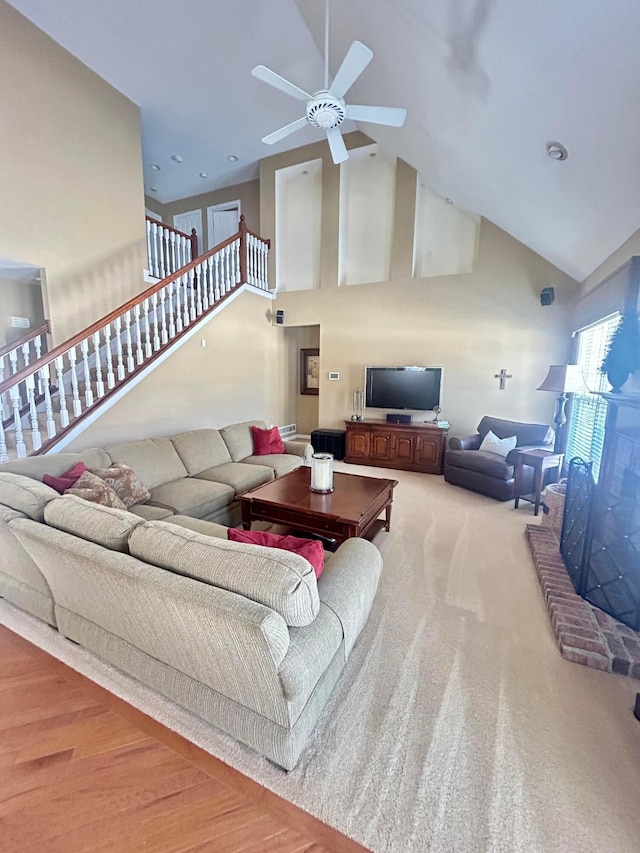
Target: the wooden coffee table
(351, 510)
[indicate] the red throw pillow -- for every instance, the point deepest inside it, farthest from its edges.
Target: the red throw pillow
(67, 480)
(310, 549)
(266, 441)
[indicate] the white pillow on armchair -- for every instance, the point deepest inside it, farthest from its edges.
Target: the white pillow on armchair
(500, 446)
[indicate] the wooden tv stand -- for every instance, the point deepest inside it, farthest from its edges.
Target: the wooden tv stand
(407, 447)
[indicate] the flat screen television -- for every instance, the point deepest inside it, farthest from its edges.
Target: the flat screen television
(403, 388)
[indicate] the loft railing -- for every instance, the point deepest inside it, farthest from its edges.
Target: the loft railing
(20, 354)
(169, 249)
(48, 397)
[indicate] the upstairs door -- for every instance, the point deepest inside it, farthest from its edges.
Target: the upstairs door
(223, 221)
(186, 221)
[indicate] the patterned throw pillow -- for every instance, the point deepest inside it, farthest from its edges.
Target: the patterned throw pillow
(500, 446)
(125, 483)
(93, 489)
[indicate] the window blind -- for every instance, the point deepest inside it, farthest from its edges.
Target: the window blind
(588, 412)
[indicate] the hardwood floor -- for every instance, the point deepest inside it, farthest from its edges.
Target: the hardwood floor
(81, 770)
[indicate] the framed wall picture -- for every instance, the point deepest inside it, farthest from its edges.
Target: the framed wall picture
(309, 371)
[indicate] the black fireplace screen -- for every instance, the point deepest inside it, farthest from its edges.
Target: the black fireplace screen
(600, 542)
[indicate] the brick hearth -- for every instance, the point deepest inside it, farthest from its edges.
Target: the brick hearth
(584, 633)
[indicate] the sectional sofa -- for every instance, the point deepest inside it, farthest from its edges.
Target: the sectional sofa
(244, 636)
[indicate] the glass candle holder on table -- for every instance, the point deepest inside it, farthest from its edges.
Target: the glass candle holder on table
(322, 472)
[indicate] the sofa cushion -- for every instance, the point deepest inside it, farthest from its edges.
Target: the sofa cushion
(481, 462)
(239, 440)
(125, 483)
(55, 463)
(25, 495)
(280, 580)
(65, 480)
(191, 496)
(266, 441)
(154, 460)
(150, 512)
(282, 463)
(208, 528)
(94, 522)
(310, 549)
(200, 449)
(500, 446)
(91, 488)
(239, 476)
(534, 434)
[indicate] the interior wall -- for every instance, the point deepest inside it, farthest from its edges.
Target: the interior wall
(472, 325)
(72, 197)
(602, 293)
(19, 299)
(238, 376)
(248, 194)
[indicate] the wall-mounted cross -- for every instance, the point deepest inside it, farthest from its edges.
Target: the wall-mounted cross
(503, 376)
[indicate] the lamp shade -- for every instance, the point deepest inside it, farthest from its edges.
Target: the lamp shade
(564, 379)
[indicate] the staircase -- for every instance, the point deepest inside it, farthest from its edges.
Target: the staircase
(48, 399)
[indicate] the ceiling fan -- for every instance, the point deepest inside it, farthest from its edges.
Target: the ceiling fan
(326, 108)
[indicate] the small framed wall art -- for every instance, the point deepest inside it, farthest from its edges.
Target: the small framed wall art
(309, 371)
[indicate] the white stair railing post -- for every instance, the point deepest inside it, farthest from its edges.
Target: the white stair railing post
(4, 456)
(75, 393)
(62, 398)
(88, 393)
(173, 293)
(138, 332)
(16, 403)
(119, 357)
(128, 341)
(146, 310)
(98, 367)
(48, 407)
(36, 439)
(111, 379)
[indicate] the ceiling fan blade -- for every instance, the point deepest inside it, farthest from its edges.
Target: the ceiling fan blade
(339, 151)
(393, 116)
(268, 76)
(357, 58)
(277, 135)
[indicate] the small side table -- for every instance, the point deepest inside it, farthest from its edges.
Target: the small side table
(540, 461)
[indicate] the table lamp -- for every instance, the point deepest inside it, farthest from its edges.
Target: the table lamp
(563, 379)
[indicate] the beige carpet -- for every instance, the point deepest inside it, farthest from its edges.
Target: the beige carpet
(456, 725)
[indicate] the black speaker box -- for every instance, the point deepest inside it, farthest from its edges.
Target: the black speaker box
(279, 317)
(398, 419)
(546, 296)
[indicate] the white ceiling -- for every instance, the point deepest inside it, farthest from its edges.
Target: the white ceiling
(487, 83)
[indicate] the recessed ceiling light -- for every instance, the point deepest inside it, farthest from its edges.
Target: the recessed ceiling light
(176, 158)
(154, 189)
(203, 175)
(155, 167)
(232, 158)
(557, 151)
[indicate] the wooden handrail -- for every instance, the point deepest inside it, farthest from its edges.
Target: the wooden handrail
(41, 330)
(62, 348)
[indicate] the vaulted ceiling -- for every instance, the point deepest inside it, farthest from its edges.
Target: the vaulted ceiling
(487, 84)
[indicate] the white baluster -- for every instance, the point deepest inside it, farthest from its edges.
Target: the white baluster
(4, 398)
(173, 291)
(121, 370)
(88, 393)
(236, 246)
(232, 267)
(210, 290)
(146, 309)
(26, 354)
(162, 297)
(98, 367)
(227, 265)
(62, 399)
(250, 260)
(13, 361)
(36, 438)
(172, 263)
(128, 341)
(152, 236)
(75, 393)
(217, 293)
(37, 342)
(165, 259)
(111, 379)
(191, 279)
(48, 408)
(199, 277)
(138, 330)
(16, 403)
(4, 456)
(184, 283)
